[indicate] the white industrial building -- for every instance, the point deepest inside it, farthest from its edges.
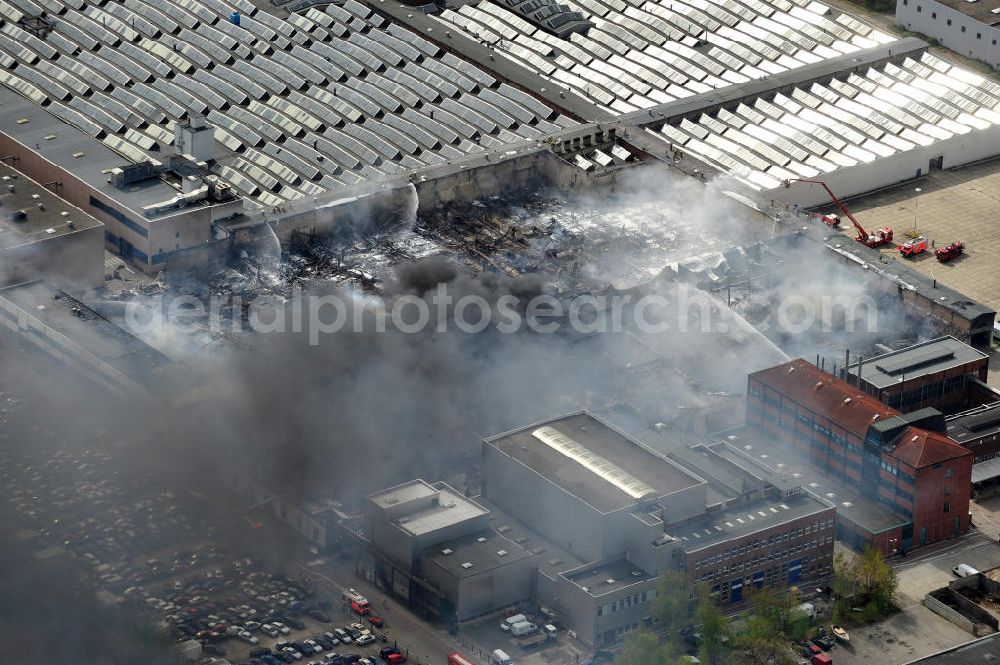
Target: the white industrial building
(322, 100)
(578, 517)
(858, 123)
(968, 27)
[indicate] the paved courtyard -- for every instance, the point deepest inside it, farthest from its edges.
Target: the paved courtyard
(952, 205)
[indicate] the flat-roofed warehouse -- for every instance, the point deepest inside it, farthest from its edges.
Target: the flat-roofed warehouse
(580, 482)
(319, 101)
(943, 373)
(41, 235)
(770, 91)
(434, 548)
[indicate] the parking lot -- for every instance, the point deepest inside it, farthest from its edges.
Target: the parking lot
(122, 526)
(141, 549)
(957, 205)
(480, 639)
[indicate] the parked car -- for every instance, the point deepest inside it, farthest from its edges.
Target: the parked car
(511, 620)
(365, 638)
(392, 655)
(247, 637)
(259, 651)
(312, 645)
(824, 643)
(342, 635)
(270, 630)
(319, 615)
(293, 653)
(332, 637)
(378, 622)
(323, 641)
(295, 623)
(282, 628)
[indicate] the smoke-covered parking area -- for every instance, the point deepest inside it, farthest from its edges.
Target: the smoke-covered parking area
(125, 563)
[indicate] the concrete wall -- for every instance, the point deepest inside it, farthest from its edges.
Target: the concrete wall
(391, 541)
(488, 179)
(952, 615)
(861, 178)
(188, 229)
(72, 262)
(495, 589)
(67, 351)
(578, 609)
(962, 34)
(312, 528)
(543, 506)
(959, 610)
(205, 259)
(627, 616)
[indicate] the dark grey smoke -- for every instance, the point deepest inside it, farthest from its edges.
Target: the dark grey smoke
(361, 411)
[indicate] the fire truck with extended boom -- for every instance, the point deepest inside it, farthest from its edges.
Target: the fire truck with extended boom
(877, 238)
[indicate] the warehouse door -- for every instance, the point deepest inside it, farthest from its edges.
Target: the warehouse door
(736, 591)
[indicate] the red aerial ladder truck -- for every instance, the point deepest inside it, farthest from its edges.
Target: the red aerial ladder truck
(875, 239)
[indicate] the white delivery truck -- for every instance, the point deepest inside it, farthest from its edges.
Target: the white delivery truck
(499, 657)
(523, 628)
(510, 621)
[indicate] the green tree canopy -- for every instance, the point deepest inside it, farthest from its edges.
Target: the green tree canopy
(643, 648)
(672, 605)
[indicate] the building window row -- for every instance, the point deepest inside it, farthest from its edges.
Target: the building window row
(774, 555)
(784, 536)
(623, 603)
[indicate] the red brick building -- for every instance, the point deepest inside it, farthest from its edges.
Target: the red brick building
(903, 463)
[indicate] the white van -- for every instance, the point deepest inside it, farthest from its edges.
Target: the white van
(964, 570)
(498, 657)
(510, 621)
(808, 609)
(523, 628)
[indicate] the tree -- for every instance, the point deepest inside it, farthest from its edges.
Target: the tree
(643, 648)
(771, 622)
(773, 610)
(869, 576)
(878, 579)
(672, 604)
(713, 626)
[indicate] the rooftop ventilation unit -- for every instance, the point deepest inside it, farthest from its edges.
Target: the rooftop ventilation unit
(467, 565)
(446, 551)
(501, 552)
